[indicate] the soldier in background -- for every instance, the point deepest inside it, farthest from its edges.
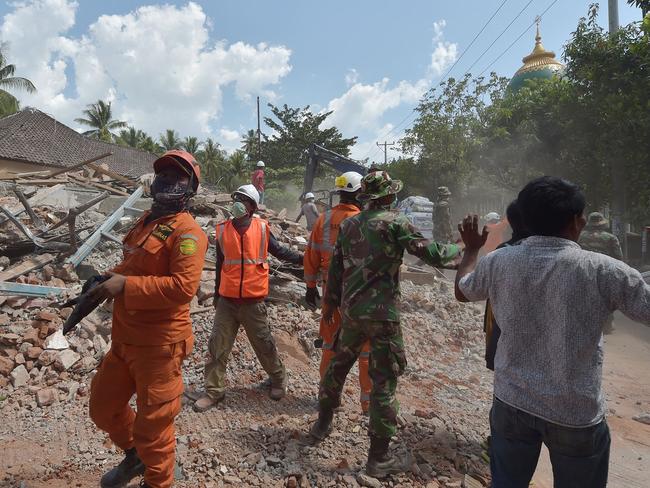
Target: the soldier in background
(597, 238)
(363, 282)
(442, 216)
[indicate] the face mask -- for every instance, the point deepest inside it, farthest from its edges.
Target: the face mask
(168, 198)
(238, 210)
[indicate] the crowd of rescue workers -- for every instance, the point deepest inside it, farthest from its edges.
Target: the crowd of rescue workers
(550, 292)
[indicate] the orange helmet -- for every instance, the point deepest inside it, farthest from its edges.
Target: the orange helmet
(180, 159)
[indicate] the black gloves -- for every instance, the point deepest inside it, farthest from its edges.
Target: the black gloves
(311, 296)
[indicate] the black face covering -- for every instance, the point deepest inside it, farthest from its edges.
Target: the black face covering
(168, 198)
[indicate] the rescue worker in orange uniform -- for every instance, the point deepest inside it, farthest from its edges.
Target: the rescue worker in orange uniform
(242, 284)
(152, 331)
(317, 260)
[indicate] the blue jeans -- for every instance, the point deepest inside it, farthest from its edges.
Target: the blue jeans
(579, 456)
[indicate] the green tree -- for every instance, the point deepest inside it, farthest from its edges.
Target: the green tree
(444, 137)
(99, 116)
(169, 140)
(582, 124)
(644, 5)
(294, 130)
(149, 145)
(191, 144)
(8, 82)
(249, 144)
(131, 137)
(212, 160)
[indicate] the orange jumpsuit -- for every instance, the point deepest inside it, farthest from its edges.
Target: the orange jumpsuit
(151, 335)
(316, 264)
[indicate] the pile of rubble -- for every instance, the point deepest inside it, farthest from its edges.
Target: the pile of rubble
(56, 234)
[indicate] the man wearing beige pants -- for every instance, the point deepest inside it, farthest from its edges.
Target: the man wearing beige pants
(243, 245)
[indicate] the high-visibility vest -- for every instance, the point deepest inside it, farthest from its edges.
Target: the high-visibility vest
(322, 240)
(245, 268)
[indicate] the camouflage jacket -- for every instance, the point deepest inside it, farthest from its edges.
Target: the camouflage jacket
(601, 241)
(442, 230)
(363, 277)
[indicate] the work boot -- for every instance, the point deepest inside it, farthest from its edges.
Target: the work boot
(278, 390)
(130, 467)
(206, 402)
(323, 426)
(380, 464)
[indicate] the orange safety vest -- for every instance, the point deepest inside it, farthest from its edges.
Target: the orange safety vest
(321, 242)
(245, 268)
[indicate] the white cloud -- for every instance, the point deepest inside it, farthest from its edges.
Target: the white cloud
(351, 77)
(229, 135)
(438, 29)
(443, 56)
(362, 106)
(360, 110)
(156, 63)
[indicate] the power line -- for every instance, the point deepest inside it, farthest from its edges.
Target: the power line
(517, 39)
(499, 36)
(448, 71)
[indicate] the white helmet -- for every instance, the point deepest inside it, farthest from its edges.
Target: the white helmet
(249, 191)
(309, 195)
(492, 216)
(348, 182)
(260, 164)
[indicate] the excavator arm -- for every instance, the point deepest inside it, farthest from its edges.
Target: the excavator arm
(318, 155)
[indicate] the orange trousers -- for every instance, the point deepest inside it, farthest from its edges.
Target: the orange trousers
(328, 334)
(153, 373)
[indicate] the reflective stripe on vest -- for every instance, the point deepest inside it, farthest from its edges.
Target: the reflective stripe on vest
(244, 275)
(325, 244)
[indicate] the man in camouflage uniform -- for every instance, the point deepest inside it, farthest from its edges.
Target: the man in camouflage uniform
(363, 281)
(442, 216)
(595, 237)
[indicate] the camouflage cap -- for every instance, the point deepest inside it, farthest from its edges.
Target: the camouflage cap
(378, 184)
(596, 219)
(443, 191)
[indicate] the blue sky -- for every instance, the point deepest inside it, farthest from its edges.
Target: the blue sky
(197, 67)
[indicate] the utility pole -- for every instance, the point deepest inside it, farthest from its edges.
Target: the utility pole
(619, 224)
(259, 133)
(385, 144)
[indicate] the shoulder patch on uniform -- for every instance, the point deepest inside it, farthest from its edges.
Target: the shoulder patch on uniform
(162, 231)
(188, 246)
(189, 236)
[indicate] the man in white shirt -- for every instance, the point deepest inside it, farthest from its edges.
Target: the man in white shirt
(551, 300)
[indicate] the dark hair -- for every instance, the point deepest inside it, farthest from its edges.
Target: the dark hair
(548, 204)
(349, 197)
(516, 221)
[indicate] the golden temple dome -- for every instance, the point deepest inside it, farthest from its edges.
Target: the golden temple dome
(539, 64)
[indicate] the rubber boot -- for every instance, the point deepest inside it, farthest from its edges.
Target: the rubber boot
(380, 464)
(323, 426)
(130, 467)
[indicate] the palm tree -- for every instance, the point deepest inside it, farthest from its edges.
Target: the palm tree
(8, 103)
(191, 145)
(149, 145)
(236, 170)
(170, 140)
(211, 158)
(100, 118)
(249, 144)
(131, 137)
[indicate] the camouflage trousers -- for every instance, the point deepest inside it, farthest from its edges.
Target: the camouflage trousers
(387, 363)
